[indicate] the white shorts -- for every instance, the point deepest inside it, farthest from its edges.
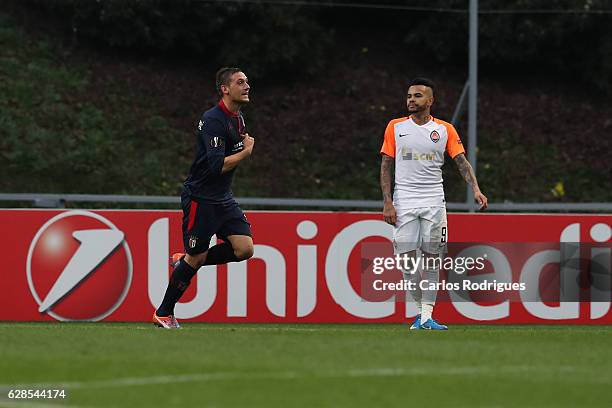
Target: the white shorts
(422, 228)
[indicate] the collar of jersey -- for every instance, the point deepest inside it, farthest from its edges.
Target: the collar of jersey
(227, 111)
(410, 117)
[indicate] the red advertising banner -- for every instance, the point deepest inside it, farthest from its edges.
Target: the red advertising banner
(307, 267)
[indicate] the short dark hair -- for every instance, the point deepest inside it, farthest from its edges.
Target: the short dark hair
(424, 81)
(223, 77)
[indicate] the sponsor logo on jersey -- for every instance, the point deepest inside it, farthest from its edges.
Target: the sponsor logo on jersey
(409, 154)
(238, 147)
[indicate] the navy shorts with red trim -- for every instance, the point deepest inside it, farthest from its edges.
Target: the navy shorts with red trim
(203, 220)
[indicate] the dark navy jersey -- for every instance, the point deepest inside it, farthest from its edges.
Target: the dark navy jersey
(219, 136)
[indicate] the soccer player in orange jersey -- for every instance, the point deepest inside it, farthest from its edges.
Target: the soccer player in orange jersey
(413, 152)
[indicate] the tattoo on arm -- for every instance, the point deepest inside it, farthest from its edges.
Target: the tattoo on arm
(387, 165)
(466, 170)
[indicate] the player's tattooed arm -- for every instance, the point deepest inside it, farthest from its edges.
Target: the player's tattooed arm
(467, 172)
(387, 165)
(386, 176)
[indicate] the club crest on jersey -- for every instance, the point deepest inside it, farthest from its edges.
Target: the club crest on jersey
(193, 241)
(434, 136)
(216, 142)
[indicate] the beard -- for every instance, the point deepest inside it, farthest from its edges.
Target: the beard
(416, 109)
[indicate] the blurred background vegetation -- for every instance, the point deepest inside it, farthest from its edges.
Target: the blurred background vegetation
(104, 96)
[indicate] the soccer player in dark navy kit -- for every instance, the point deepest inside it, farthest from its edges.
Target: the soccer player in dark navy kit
(208, 205)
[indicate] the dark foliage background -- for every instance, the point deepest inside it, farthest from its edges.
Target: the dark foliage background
(276, 39)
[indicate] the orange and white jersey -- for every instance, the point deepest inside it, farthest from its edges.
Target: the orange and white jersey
(419, 156)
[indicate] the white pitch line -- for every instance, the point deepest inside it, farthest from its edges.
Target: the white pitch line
(306, 327)
(191, 327)
(289, 375)
(213, 327)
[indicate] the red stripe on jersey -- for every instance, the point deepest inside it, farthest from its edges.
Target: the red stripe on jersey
(193, 209)
(226, 110)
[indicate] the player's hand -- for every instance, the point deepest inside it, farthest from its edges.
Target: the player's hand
(248, 142)
(481, 199)
(389, 213)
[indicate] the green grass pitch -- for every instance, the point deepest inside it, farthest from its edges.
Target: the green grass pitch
(249, 365)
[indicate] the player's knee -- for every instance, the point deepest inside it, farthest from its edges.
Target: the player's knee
(244, 252)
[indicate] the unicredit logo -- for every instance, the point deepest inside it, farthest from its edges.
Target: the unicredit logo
(79, 267)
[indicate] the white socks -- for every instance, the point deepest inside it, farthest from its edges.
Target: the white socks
(429, 295)
(426, 311)
(415, 294)
(424, 299)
